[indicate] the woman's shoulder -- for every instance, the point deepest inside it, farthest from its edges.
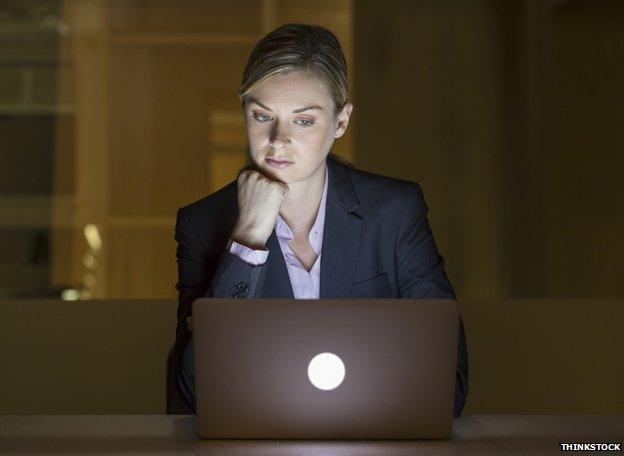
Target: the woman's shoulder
(379, 191)
(368, 179)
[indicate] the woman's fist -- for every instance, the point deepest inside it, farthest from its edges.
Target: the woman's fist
(259, 203)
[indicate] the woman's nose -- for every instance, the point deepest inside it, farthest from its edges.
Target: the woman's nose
(280, 137)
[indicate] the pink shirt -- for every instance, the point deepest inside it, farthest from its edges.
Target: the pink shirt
(305, 284)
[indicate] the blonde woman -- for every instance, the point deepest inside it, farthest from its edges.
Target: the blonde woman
(299, 222)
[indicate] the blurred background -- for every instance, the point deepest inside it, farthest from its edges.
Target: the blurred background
(113, 114)
(508, 113)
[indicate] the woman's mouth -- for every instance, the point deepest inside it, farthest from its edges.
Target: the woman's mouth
(278, 163)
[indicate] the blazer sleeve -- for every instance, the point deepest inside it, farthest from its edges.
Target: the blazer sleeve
(236, 278)
(420, 274)
(233, 278)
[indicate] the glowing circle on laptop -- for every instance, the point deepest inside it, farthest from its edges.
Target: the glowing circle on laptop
(326, 371)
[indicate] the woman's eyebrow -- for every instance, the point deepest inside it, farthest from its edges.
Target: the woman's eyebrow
(308, 107)
(253, 100)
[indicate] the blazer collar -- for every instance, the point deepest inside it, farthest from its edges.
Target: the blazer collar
(340, 182)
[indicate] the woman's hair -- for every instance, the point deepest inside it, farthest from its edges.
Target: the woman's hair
(290, 47)
(298, 47)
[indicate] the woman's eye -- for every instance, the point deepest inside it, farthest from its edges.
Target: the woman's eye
(261, 117)
(305, 122)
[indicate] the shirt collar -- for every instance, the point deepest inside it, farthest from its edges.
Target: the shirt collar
(282, 230)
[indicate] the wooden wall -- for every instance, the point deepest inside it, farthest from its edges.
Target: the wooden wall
(509, 115)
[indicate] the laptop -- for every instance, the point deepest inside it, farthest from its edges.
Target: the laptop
(325, 369)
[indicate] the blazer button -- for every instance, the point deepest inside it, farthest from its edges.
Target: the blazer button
(241, 289)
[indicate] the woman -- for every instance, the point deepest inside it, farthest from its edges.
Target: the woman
(299, 222)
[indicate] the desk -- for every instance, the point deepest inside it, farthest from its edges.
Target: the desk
(175, 434)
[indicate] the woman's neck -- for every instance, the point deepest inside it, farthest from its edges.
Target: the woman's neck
(301, 205)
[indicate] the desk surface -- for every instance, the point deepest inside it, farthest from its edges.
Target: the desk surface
(175, 434)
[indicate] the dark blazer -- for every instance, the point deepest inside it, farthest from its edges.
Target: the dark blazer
(376, 244)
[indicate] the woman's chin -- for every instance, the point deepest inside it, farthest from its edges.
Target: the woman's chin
(280, 175)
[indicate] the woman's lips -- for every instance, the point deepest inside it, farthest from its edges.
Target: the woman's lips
(278, 163)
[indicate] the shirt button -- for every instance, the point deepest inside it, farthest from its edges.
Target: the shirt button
(315, 234)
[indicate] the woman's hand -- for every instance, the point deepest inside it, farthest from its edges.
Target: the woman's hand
(259, 202)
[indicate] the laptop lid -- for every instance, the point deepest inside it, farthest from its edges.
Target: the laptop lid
(325, 369)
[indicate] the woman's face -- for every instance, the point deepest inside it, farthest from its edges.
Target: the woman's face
(291, 126)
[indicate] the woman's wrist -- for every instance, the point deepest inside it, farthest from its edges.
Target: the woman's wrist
(249, 238)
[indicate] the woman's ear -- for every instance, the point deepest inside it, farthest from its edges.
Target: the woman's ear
(343, 120)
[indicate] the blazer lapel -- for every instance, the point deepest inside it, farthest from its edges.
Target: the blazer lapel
(341, 243)
(277, 284)
(341, 235)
